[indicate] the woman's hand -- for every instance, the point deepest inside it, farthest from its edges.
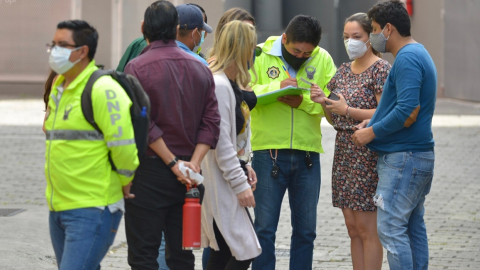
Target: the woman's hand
(338, 107)
(246, 199)
(252, 177)
(317, 95)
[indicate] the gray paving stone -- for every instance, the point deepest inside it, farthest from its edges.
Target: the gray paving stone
(452, 208)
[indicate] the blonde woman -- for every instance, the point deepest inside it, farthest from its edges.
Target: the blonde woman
(226, 225)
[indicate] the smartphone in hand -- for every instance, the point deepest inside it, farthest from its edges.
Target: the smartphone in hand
(332, 96)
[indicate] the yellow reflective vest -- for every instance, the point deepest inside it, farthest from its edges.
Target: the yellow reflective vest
(77, 168)
(277, 125)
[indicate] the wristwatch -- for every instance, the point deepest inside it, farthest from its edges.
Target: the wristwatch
(172, 163)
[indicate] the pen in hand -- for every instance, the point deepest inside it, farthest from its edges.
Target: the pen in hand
(288, 74)
(290, 81)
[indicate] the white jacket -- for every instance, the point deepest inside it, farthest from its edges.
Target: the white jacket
(224, 179)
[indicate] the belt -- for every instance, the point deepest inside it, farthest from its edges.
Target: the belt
(185, 158)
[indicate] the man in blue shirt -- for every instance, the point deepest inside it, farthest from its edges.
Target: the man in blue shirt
(191, 30)
(400, 132)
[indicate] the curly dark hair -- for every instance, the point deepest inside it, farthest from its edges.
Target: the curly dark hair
(393, 12)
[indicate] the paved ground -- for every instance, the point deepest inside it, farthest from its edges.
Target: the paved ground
(452, 208)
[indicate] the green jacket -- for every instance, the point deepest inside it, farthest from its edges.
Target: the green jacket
(277, 125)
(133, 50)
(77, 169)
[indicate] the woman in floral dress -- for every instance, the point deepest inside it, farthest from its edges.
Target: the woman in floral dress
(359, 86)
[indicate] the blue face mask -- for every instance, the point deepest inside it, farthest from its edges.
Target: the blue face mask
(202, 38)
(198, 47)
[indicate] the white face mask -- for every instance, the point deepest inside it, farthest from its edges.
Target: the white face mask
(355, 48)
(60, 59)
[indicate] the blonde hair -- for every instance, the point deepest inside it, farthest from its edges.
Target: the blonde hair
(234, 46)
(233, 14)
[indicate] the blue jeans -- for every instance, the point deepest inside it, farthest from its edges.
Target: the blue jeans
(82, 237)
(405, 179)
(205, 257)
(303, 186)
(162, 264)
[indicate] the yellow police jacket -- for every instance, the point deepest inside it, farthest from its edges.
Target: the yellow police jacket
(277, 125)
(77, 168)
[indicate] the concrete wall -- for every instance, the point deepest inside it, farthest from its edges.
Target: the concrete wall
(428, 28)
(99, 15)
(27, 25)
(25, 28)
(462, 49)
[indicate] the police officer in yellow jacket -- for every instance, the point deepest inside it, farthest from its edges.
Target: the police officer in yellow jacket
(286, 139)
(85, 196)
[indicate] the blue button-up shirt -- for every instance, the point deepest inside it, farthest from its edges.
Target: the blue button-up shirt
(186, 49)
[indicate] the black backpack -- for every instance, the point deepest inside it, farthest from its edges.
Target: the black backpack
(139, 111)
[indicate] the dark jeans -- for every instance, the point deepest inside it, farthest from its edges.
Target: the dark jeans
(223, 259)
(158, 206)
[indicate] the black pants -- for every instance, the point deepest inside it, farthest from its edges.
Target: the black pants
(158, 205)
(223, 259)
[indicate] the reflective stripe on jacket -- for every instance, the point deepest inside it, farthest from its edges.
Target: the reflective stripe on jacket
(277, 125)
(77, 168)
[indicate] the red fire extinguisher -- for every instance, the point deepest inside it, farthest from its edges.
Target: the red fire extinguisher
(408, 6)
(192, 220)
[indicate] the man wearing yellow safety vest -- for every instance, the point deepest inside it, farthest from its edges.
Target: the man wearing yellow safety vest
(286, 139)
(85, 196)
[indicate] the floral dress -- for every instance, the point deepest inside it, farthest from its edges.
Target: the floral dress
(354, 173)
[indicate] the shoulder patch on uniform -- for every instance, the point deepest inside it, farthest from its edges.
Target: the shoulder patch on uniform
(310, 72)
(273, 72)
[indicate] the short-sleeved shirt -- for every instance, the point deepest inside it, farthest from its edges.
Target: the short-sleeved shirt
(359, 90)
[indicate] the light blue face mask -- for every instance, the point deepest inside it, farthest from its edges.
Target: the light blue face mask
(59, 59)
(198, 47)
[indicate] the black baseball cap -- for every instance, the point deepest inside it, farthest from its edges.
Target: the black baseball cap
(191, 17)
